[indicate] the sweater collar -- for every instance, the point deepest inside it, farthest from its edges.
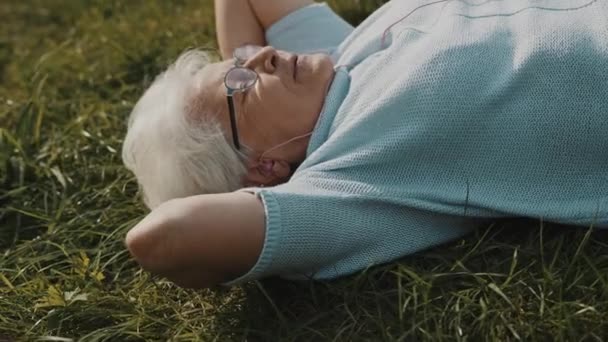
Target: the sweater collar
(335, 96)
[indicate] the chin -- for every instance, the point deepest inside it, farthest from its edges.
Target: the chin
(323, 69)
(324, 63)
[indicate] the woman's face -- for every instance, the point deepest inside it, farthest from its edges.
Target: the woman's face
(284, 103)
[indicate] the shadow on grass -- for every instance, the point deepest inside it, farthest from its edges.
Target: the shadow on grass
(513, 280)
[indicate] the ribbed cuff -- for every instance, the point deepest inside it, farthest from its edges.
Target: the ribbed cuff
(271, 238)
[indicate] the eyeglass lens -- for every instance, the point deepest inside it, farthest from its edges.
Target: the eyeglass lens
(240, 78)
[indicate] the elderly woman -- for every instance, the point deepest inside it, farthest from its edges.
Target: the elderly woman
(316, 149)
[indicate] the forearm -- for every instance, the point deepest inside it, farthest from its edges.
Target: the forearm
(236, 24)
(200, 241)
(240, 22)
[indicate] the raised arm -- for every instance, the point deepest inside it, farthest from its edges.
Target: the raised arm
(240, 22)
(200, 241)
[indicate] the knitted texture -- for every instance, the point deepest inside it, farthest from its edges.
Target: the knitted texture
(442, 115)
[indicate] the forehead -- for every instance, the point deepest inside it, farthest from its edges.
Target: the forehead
(213, 74)
(210, 97)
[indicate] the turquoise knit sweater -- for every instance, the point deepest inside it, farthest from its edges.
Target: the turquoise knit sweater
(465, 112)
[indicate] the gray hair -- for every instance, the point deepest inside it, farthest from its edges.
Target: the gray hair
(172, 154)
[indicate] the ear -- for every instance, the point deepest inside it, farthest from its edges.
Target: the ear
(267, 172)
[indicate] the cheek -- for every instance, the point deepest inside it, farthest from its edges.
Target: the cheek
(278, 101)
(286, 106)
(279, 104)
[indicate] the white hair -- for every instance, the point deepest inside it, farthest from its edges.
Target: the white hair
(173, 145)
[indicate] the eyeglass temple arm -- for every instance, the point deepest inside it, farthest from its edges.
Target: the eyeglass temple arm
(235, 138)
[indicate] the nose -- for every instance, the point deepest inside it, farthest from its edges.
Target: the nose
(264, 60)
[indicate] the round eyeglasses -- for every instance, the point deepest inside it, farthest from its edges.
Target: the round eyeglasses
(239, 79)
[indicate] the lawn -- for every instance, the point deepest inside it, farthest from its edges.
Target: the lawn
(70, 72)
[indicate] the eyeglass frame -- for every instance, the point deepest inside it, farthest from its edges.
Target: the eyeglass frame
(238, 62)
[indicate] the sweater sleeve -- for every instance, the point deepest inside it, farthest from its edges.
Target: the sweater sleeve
(312, 28)
(324, 229)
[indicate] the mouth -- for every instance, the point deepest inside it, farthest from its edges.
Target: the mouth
(295, 67)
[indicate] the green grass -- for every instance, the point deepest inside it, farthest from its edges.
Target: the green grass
(71, 70)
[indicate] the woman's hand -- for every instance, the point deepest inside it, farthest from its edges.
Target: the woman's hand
(200, 241)
(240, 22)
